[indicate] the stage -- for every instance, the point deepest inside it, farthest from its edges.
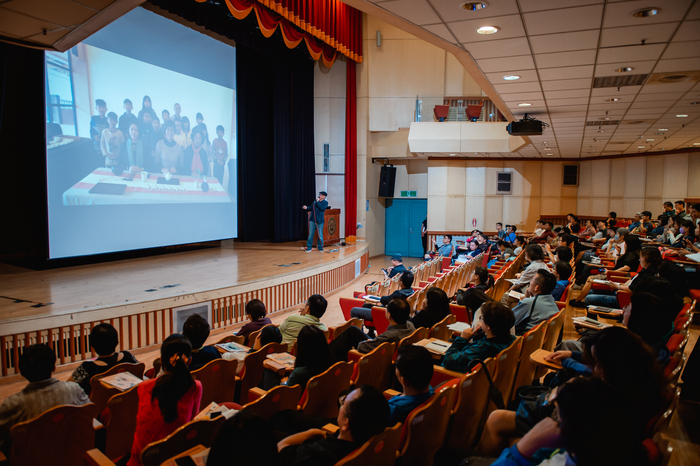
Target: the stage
(140, 296)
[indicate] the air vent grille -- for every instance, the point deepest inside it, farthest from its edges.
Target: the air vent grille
(603, 123)
(620, 81)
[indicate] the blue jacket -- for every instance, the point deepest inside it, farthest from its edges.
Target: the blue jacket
(317, 211)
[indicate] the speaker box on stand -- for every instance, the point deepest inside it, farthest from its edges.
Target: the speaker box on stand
(387, 179)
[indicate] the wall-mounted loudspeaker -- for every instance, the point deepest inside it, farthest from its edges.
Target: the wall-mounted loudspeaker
(387, 179)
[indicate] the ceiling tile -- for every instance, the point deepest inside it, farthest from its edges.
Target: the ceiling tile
(638, 67)
(18, 25)
(670, 87)
(538, 5)
(630, 53)
(416, 11)
(510, 26)
(62, 12)
(452, 11)
(498, 48)
(620, 14)
(554, 60)
(509, 88)
(689, 30)
(442, 32)
(565, 84)
(682, 50)
(614, 91)
(665, 96)
(579, 40)
(564, 20)
(633, 35)
(567, 94)
(694, 12)
(522, 96)
(577, 101)
(570, 72)
(678, 64)
(510, 64)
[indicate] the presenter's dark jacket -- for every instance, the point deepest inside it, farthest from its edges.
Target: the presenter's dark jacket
(317, 210)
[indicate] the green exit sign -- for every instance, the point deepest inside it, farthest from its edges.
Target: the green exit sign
(408, 194)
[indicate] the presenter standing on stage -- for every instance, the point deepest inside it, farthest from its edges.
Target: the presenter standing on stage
(316, 220)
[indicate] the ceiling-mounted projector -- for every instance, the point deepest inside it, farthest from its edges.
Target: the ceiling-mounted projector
(528, 126)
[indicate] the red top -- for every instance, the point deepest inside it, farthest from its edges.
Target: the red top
(150, 425)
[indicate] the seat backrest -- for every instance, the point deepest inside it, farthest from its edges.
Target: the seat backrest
(554, 326)
(346, 305)
(323, 390)
(472, 400)
(380, 320)
(374, 368)
(253, 368)
(419, 334)
(240, 339)
(190, 435)
(440, 330)
(425, 429)
(665, 419)
(277, 399)
(337, 330)
(218, 378)
(100, 394)
(254, 335)
(380, 449)
(506, 366)
(121, 427)
(461, 313)
(532, 341)
(60, 435)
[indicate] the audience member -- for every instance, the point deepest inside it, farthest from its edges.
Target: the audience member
(500, 233)
(435, 308)
(414, 370)
(397, 312)
(482, 279)
(546, 234)
(405, 290)
(497, 320)
(363, 414)
(519, 243)
(473, 299)
(103, 341)
(533, 254)
(506, 252)
(562, 271)
(43, 392)
(396, 268)
(313, 310)
(312, 358)
(196, 329)
(611, 221)
(538, 304)
(169, 401)
(244, 440)
(510, 233)
(256, 312)
(446, 249)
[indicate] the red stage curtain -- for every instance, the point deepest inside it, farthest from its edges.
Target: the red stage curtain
(350, 151)
(328, 27)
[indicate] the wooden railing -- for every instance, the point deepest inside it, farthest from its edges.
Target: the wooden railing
(141, 330)
(489, 108)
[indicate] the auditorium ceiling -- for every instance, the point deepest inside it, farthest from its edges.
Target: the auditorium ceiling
(609, 77)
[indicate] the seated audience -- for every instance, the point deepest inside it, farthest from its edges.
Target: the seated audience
(169, 401)
(562, 252)
(256, 312)
(312, 358)
(445, 250)
(589, 230)
(396, 268)
(497, 320)
(506, 252)
(500, 232)
(196, 329)
(364, 413)
(611, 221)
(571, 220)
(539, 229)
(405, 290)
(473, 249)
(628, 261)
(562, 271)
(473, 299)
(545, 235)
(588, 410)
(510, 233)
(482, 279)
(43, 392)
(645, 317)
(414, 369)
(397, 312)
(244, 440)
(103, 341)
(519, 244)
(313, 310)
(533, 254)
(435, 308)
(538, 304)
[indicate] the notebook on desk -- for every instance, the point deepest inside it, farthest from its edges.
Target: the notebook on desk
(121, 381)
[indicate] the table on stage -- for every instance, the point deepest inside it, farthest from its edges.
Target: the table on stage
(144, 192)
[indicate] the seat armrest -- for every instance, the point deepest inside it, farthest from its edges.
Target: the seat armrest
(97, 425)
(354, 355)
(95, 457)
(441, 375)
(389, 393)
(330, 428)
(255, 393)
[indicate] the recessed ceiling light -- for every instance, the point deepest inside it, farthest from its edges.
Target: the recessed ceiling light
(696, 143)
(651, 140)
(600, 131)
(524, 104)
(682, 116)
(547, 148)
(646, 12)
(663, 129)
(611, 100)
(694, 103)
(624, 69)
(604, 118)
(474, 6)
(452, 155)
(640, 147)
(659, 134)
(486, 30)
(511, 77)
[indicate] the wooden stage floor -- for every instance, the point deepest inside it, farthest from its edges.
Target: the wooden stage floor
(135, 281)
